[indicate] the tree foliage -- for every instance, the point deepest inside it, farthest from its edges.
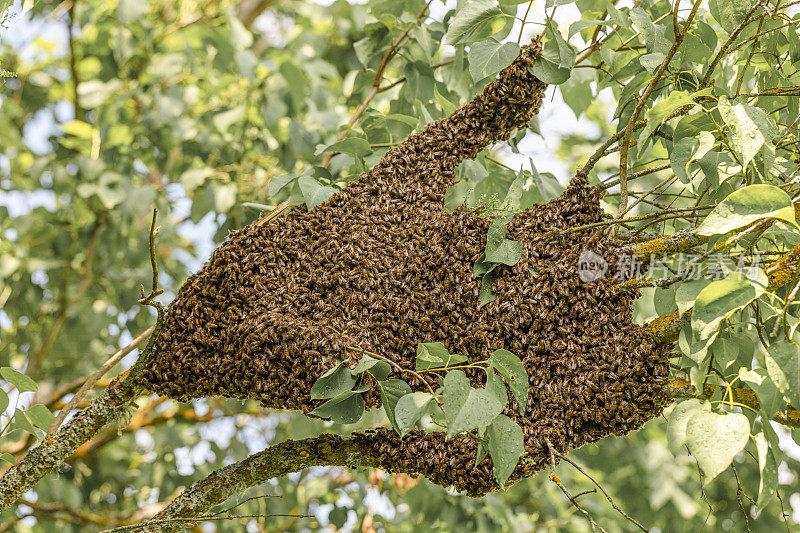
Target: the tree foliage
(218, 112)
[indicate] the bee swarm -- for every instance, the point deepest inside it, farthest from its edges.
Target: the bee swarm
(382, 266)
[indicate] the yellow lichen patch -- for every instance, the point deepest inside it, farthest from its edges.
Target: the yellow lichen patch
(665, 329)
(784, 270)
(668, 244)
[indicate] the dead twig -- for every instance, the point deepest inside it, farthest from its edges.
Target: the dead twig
(609, 498)
(554, 478)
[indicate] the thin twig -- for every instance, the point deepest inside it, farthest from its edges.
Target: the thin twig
(231, 508)
(783, 512)
(154, 290)
(724, 50)
(280, 208)
(524, 19)
(786, 304)
(376, 84)
(609, 498)
(638, 174)
(554, 478)
(601, 150)
(739, 492)
(626, 138)
(637, 218)
(201, 519)
(91, 380)
(703, 494)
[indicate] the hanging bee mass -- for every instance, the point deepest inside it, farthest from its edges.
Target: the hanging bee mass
(382, 266)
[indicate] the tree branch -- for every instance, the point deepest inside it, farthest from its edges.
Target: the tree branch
(680, 388)
(54, 450)
(626, 138)
(109, 408)
(376, 84)
(284, 458)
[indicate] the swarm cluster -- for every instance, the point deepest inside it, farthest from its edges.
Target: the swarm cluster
(382, 266)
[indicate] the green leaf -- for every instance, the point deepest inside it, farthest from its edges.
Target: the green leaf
(498, 248)
(435, 355)
(467, 408)
(714, 439)
(548, 185)
(365, 363)
(783, 366)
(653, 33)
(279, 182)
(557, 59)
(496, 385)
(511, 368)
(563, 54)
(22, 382)
(489, 57)
(314, 193)
(506, 446)
(480, 454)
(751, 127)
(747, 205)
(448, 107)
(3, 401)
(768, 484)
(482, 266)
(377, 368)
(579, 25)
(391, 392)
(41, 416)
(651, 62)
(548, 72)
(697, 351)
(729, 13)
(678, 419)
(381, 371)
(355, 146)
(664, 108)
(687, 149)
(346, 408)
(332, 383)
(728, 356)
(410, 409)
(21, 421)
(687, 292)
(664, 300)
(7, 457)
(721, 298)
(577, 94)
(486, 295)
(475, 21)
